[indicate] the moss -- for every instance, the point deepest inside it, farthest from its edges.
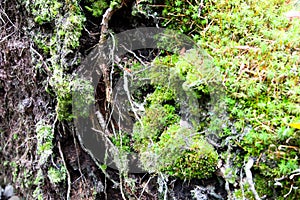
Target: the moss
(156, 119)
(96, 7)
(181, 154)
(57, 175)
(256, 48)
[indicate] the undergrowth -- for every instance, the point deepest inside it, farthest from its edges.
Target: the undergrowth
(257, 50)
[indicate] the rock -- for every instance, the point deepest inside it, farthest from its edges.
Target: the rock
(8, 191)
(14, 198)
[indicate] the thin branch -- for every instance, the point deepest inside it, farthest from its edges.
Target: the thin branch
(4, 38)
(104, 66)
(8, 19)
(291, 188)
(140, 60)
(227, 166)
(129, 98)
(248, 166)
(68, 173)
(145, 187)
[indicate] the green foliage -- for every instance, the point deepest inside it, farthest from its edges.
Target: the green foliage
(56, 175)
(257, 49)
(44, 11)
(44, 134)
(39, 181)
(161, 95)
(254, 45)
(58, 45)
(163, 145)
(181, 154)
(122, 141)
(96, 7)
(183, 15)
(155, 120)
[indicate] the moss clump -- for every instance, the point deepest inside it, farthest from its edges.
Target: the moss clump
(156, 119)
(256, 47)
(185, 15)
(96, 7)
(181, 153)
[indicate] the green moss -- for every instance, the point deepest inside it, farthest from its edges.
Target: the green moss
(96, 7)
(44, 134)
(57, 175)
(44, 11)
(181, 154)
(256, 48)
(155, 120)
(58, 44)
(122, 141)
(183, 15)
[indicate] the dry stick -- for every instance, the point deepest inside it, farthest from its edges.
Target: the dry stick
(140, 60)
(227, 165)
(129, 98)
(104, 67)
(241, 184)
(4, 38)
(78, 161)
(291, 188)
(3, 12)
(121, 187)
(68, 173)
(144, 188)
(166, 185)
(249, 178)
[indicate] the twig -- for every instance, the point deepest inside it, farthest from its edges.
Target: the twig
(248, 166)
(102, 122)
(4, 38)
(121, 187)
(144, 188)
(241, 184)
(78, 161)
(291, 188)
(129, 98)
(42, 59)
(246, 47)
(140, 60)
(2, 11)
(227, 166)
(104, 67)
(295, 173)
(68, 173)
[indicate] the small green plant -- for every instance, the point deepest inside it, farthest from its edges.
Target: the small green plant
(183, 15)
(44, 11)
(38, 182)
(122, 141)
(56, 175)
(44, 134)
(58, 45)
(96, 7)
(156, 119)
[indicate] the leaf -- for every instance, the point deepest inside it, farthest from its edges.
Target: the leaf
(295, 125)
